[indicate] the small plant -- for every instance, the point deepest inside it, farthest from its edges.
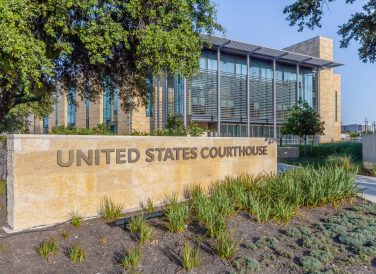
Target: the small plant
(191, 257)
(225, 246)
(139, 225)
(149, 206)
(76, 220)
(47, 248)
(131, 259)
(65, 234)
(323, 256)
(103, 241)
(177, 215)
(76, 254)
(270, 242)
(145, 233)
(246, 265)
(310, 264)
(109, 210)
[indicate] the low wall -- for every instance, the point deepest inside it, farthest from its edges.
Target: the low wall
(3, 161)
(52, 176)
(288, 152)
(369, 150)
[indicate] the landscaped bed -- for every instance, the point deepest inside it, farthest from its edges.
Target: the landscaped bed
(269, 224)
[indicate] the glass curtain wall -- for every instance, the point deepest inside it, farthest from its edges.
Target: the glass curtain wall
(202, 93)
(71, 99)
(110, 104)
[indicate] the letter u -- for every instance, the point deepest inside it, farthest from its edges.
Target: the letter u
(60, 160)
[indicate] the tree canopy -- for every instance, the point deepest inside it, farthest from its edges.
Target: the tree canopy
(45, 42)
(360, 27)
(303, 121)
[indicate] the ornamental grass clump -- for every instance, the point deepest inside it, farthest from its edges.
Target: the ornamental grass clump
(139, 225)
(225, 246)
(76, 254)
(47, 248)
(131, 259)
(110, 211)
(177, 215)
(76, 219)
(191, 257)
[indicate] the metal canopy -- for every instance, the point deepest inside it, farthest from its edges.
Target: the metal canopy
(254, 50)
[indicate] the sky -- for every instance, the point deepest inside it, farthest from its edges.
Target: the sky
(262, 22)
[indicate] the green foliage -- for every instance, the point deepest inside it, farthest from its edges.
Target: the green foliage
(131, 259)
(109, 210)
(100, 129)
(76, 254)
(310, 264)
(139, 225)
(225, 246)
(47, 248)
(76, 219)
(65, 234)
(298, 232)
(3, 187)
(191, 256)
(323, 256)
(360, 27)
(350, 149)
(149, 206)
(344, 161)
(177, 215)
(45, 42)
(269, 242)
(194, 130)
(174, 127)
(139, 133)
(246, 265)
(302, 121)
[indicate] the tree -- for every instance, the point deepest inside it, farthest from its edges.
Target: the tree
(44, 43)
(361, 26)
(303, 121)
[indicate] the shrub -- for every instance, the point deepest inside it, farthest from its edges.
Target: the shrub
(109, 210)
(246, 265)
(310, 264)
(191, 257)
(139, 133)
(225, 246)
(341, 161)
(177, 215)
(194, 130)
(76, 220)
(270, 242)
(47, 248)
(341, 148)
(131, 259)
(323, 256)
(100, 129)
(76, 254)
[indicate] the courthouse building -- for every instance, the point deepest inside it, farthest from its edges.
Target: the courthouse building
(241, 90)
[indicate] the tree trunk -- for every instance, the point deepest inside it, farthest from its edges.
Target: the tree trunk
(305, 146)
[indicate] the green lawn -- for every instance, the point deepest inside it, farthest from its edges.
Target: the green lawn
(2, 187)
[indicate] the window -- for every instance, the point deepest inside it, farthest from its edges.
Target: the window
(336, 106)
(110, 104)
(45, 125)
(71, 98)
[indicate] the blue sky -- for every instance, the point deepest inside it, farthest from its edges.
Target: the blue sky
(262, 22)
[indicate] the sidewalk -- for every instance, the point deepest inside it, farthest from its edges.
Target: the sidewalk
(366, 184)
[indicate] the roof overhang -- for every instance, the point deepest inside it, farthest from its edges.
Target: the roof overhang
(236, 47)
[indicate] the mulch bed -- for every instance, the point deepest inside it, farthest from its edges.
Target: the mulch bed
(104, 245)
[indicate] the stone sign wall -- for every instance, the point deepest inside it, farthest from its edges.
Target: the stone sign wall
(50, 177)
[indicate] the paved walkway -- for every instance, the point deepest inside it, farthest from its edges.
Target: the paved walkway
(366, 184)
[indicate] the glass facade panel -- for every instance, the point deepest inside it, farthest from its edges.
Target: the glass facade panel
(110, 104)
(285, 89)
(71, 99)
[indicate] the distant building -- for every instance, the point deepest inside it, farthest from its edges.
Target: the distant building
(358, 128)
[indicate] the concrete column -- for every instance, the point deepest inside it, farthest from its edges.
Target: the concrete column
(274, 101)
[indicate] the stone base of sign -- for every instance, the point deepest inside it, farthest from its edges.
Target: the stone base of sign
(50, 177)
